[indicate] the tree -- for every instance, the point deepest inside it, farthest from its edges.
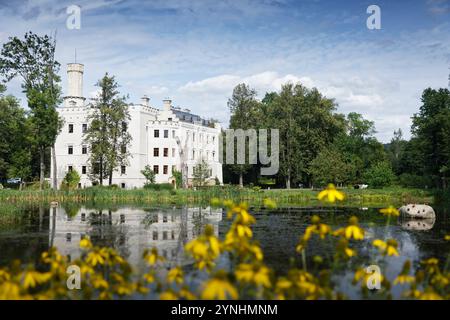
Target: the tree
(243, 108)
(379, 175)
(359, 146)
(71, 180)
(306, 124)
(15, 153)
(32, 59)
(431, 128)
(201, 173)
(149, 175)
(329, 167)
(178, 178)
(107, 135)
(395, 150)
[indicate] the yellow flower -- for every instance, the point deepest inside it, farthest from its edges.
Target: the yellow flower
(351, 231)
(219, 289)
(85, 243)
(9, 291)
(215, 202)
(4, 275)
(152, 257)
(386, 248)
(390, 211)
(269, 204)
(331, 194)
(404, 278)
(94, 258)
(447, 237)
(430, 295)
(258, 275)
(33, 278)
(168, 295)
(175, 275)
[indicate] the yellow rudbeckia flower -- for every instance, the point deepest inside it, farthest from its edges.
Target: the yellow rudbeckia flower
(386, 248)
(390, 211)
(331, 194)
(219, 289)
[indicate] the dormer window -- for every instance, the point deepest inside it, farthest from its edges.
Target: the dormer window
(72, 104)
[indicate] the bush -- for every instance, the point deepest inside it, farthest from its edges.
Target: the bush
(379, 175)
(71, 180)
(159, 186)
(416, 181)
(35, 185)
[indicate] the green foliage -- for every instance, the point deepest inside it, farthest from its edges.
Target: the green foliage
(307, 124)
(431, 128)
(201, 173)
(33, 60)
(178, 178)
(107, 135)
(330, 167)
(15, 151)
(415, 181)
(149, 175)
(71, 180)
(159, 186)
(379, 175)
(244, 114)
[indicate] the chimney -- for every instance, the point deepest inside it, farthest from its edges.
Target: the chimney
(75, 79)
(167, 104)
(145, 100)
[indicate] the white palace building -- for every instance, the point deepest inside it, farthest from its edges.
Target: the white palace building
(167, 139)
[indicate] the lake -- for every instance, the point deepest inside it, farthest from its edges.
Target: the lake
(132, 229)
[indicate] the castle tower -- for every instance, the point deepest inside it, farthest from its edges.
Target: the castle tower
(74, 96)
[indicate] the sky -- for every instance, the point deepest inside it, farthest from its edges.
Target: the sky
(195, 52)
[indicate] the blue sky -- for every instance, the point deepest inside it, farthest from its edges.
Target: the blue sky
(195, 52)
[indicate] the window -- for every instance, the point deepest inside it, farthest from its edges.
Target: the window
(123, 148)
(166, 133)
(70, 168)
(193, 136)
(165, 219)
(155, 152)
(166, 152)
(70, 150)
(123, 169)
(124, 126)
(165, 169)
(213, 155)
(70, 128)
(84, 127)
(156, 169)
(156, 134)
(193, 154)
(83, 170)
(214, 139)
(164, 235)
(173, 152)
(84, 150)
(174, 168)
(122, 185)
(173, 134)
(155, 235)
(169, 119)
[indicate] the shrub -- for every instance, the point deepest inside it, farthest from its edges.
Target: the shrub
(416, 181)
(71, 180)
(148, 174)
(379, 175)
(158, 186)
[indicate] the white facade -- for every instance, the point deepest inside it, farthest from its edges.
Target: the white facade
(166, 139)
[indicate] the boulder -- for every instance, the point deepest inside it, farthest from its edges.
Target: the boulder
(420, 211)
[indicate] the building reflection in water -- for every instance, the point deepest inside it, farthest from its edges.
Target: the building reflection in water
(132, 230)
